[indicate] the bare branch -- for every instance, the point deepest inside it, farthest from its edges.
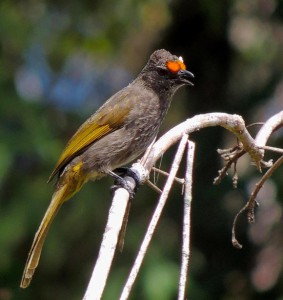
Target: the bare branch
(271, 125)
(154, 220)
(153, 186)
(232, 160)
(233, 123)
(179, 180)
(232, 155)
(186, 220)
(107, 249)
(251, 204)
(273, 149)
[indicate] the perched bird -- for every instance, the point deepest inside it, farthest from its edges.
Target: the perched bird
(117, 133)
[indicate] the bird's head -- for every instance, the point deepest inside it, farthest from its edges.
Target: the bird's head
(167, 69)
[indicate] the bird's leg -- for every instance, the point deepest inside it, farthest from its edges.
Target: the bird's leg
(121, 182)
(129, 172)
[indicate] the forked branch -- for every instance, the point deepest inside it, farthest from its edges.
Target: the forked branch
(268, 128)
(233, 123)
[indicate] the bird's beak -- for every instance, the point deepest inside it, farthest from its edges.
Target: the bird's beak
(185, 75)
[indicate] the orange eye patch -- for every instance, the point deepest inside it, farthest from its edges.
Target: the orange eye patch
(174, 66)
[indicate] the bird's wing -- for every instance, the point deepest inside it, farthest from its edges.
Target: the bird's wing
(106, 120)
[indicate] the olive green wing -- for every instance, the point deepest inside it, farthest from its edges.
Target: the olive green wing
(106, 120)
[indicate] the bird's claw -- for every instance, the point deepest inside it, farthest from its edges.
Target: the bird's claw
(121, 183)
(131, 173)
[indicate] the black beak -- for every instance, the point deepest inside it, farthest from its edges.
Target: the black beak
(185, 75)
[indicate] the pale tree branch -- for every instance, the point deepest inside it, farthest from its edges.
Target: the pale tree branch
(155, 218)
(187, 220)
(107, 249)
(268, 128)
(233, 123)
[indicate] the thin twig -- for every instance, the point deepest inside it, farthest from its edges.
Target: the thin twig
(186, 220)
(251, 204)
(177, 179)
(153, 186)
(233, 160)
(274, 149)
(270, 126)
(151, 228)
(260, 184)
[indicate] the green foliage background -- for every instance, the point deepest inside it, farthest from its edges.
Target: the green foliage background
(58, 63)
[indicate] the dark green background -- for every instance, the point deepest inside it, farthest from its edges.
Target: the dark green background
(58, 63)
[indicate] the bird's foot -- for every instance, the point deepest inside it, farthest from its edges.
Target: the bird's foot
(121, 182)
(131, 173)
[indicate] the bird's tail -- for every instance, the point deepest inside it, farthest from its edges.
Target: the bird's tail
(61, 194)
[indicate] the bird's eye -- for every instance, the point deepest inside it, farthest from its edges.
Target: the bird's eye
(162, 71)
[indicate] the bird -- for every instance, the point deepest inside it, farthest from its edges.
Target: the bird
(116, 134)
